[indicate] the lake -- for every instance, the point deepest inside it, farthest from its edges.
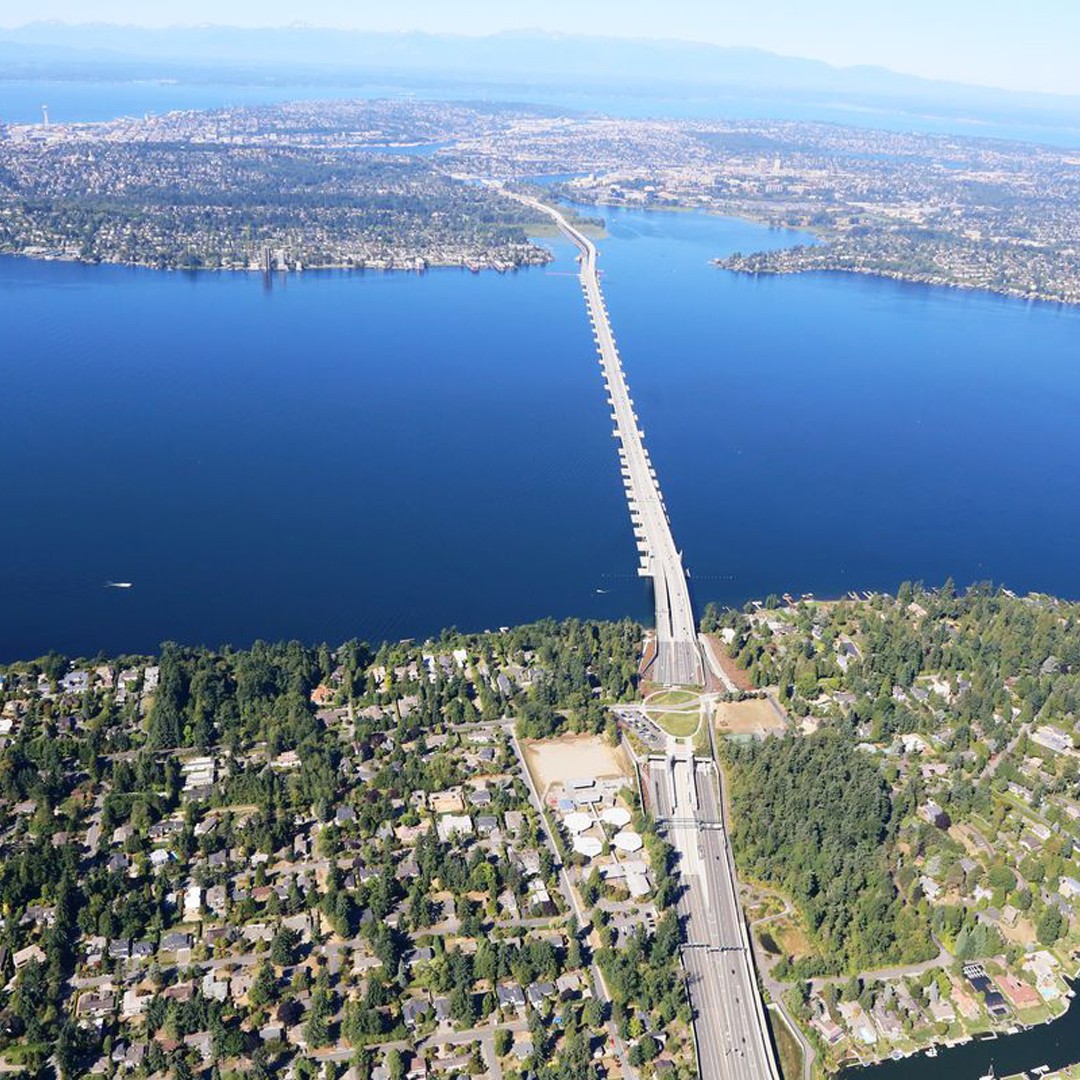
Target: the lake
(330, 455)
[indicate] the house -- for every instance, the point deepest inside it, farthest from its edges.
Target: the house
(1019, 994)
(510, 996)
(441, 1006)
(133, 1004)
(940, 1008)
(932, 814)
(420, 956)
(414, 1010)
(887, 1021)
(858, 1022)
(96, 1005)
(213, 988)
(192, 901)
(453, 825)
(930, 888)
(1069, 887)
(272, 1032)
(538, 992)
(1052, 738)
(120, 949)
(202, 1042)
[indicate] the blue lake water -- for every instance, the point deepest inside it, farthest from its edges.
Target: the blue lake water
(381, 455)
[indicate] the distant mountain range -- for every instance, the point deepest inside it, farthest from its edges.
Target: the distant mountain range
(526, 57)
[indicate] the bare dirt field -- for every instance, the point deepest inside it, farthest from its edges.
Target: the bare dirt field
(573, 757)
(752, 717)
(731, 669)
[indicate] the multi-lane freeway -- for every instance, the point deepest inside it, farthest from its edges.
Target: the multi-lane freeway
(678, 654)
(730, 1030)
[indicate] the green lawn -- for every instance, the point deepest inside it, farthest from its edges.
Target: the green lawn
(672, 699)
(679, 724)
(791, 1056)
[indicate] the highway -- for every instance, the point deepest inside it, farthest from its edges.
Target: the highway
(678, 655)
(730, 1031)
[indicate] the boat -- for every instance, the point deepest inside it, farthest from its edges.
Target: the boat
(989, 1074)
(118, 584)
(931, 1051)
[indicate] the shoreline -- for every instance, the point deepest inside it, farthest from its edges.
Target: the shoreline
(393, 267)
(722, 263)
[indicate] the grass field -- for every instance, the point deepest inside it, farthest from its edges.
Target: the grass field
(672, 699)
(791, 1056)
(679, 724)
(792, 939)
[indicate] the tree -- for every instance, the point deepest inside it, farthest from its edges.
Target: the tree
(395, 1064)
(503, 1041)
(283, 947)
(462, 1006)
(317, 1029)
(1049, 926)
(644, 1050)
(264, 987)
(68, 1050)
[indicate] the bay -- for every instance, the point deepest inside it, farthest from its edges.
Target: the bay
(330, 455)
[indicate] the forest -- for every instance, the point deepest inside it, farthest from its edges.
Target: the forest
(813, 816)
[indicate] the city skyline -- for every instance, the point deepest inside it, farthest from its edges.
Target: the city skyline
(983, 44)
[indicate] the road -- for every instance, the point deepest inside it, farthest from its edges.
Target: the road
(730, 1029)
(678, 657)
(569, 894)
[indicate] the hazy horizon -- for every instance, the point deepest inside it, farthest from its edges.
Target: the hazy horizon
(981, 45)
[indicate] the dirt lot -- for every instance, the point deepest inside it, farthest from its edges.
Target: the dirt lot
(755, 716)
(731, 669)
(573, 757)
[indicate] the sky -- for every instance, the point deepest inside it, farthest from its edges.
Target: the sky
(1013, 44)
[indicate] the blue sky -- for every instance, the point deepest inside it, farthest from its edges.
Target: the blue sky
(1016, 44)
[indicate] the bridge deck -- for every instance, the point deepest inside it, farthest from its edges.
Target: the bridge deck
(678, 654)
